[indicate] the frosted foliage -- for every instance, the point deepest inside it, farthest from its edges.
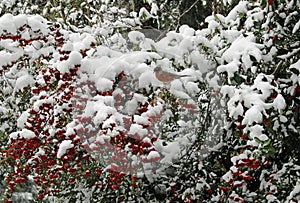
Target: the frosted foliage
(85, 105)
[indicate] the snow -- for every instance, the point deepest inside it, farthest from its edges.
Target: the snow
(237, 183)
(233, 169)
(24, 81)
(103, 139)
(101, 115)
(40, 102)
(22, 119)
(109, 122)
(253, 115)
(40, 152)
(178, 90)
(213, 82)
(229, 68)
(271, 198)
(99, 109)
(25, 133)
(199, 39)
(153, 155)
(7, 24)
(234, 13)
(256, 15)
(200, 64)
(295, 192)
(131, 107)
(7, 58)
(265, 87)
(233, 49)
(279, 102)
(28, 196)
(283, 119)
(234, 112)
(227, 177)
(137, 129)
(186, 30)
(289, 17)
(20, 20)
(38, 23)
(252, 143)
(227, 90)
(231, 35)
(212, 24)
(67, 46)
(147, 78)
(154, 9)
(88, 40)
(63, 147)
(144, 14)
(141, 120)
(63, 66)
(296, 65)
(256, 130)
(192, 88)
(104, 84)
(170, 151)
(8, 45)
(236, 159)
(242, 48)
(136, 37)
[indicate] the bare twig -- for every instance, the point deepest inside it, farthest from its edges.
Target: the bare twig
(186, 11)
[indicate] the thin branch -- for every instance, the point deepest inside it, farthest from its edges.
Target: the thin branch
(186, 11)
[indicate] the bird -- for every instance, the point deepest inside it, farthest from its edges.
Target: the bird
(165, 76)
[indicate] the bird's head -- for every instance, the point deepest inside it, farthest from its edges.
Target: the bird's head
(157, 69)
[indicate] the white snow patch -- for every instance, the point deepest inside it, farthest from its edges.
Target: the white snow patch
(295, 192)
(252, 115)
(63, 66)
(279, 102)
(296, 27)
(141, 120)
(75, 58)
(136, 37)
(137, 129)
(146, 79)
(22, 119)
(63, 147)
(234, 13)
(256, 131)
(25, 133)
(296, 66)
(227, 177)
(230, 68)
(24, 81)
(40, 152)
(153, 155)
(104, 84)
(186, 30)
(242, 48)
(170, 152)
(234, 112)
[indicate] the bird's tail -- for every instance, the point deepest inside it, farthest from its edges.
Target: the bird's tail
(181, 76)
